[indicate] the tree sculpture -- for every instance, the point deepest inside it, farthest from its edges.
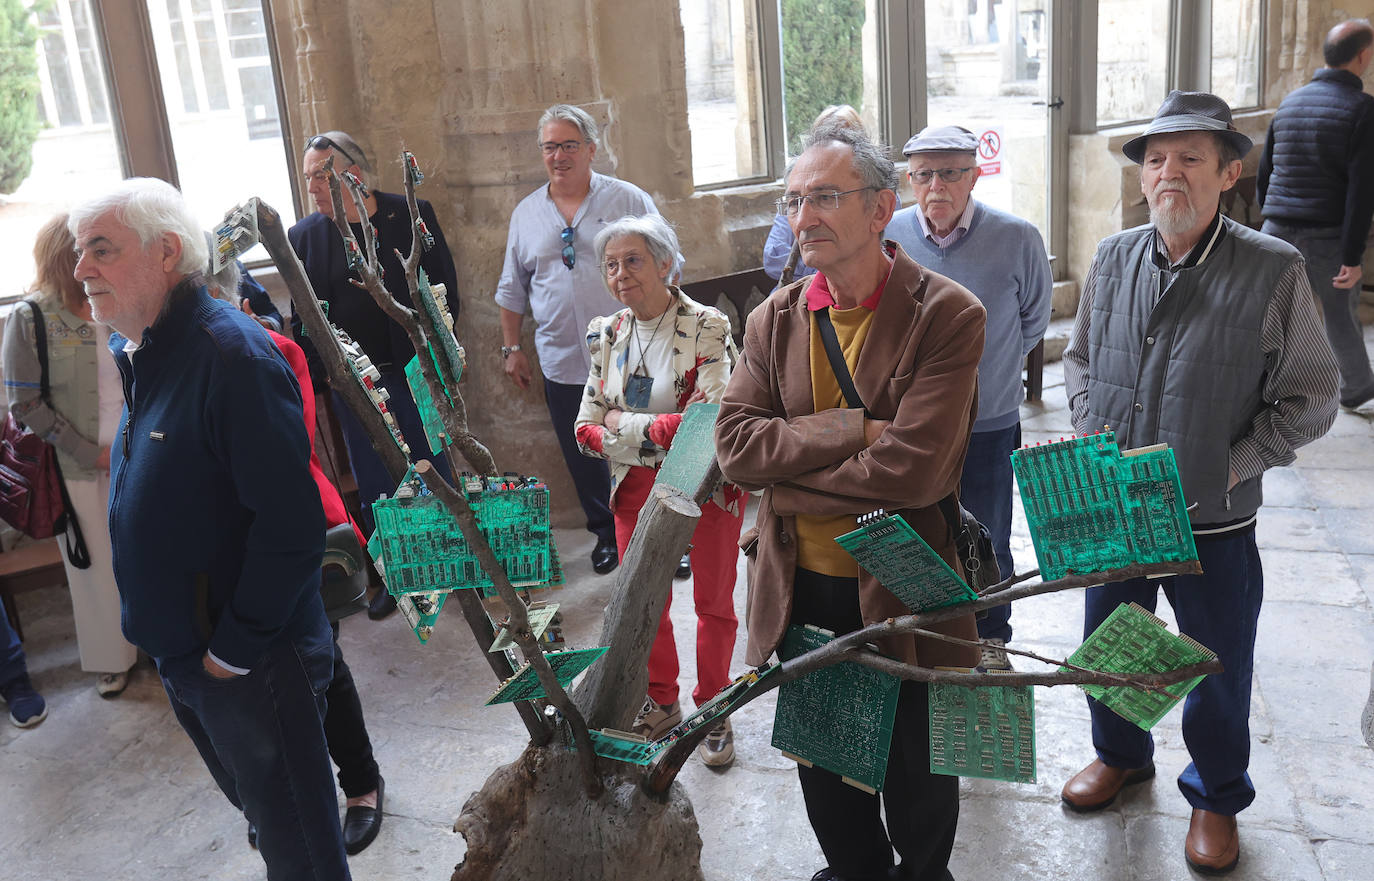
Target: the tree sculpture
(603, 818)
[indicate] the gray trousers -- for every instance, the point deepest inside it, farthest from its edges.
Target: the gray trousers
(1321, 247)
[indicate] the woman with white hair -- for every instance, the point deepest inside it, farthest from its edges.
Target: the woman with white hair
(80, 422)
(650, 360)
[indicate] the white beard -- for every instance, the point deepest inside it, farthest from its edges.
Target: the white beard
(1175, 218)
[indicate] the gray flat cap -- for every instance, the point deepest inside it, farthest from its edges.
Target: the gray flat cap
(941, 139)
(1189, 112)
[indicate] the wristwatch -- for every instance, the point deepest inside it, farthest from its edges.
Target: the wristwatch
(506, 351)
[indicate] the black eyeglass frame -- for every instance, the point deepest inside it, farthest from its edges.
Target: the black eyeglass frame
(944, 174)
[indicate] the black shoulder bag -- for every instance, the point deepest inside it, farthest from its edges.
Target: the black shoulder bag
(972, 541)
(68, 525)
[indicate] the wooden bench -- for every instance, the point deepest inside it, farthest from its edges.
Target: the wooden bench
(30, 567)
(735, 294)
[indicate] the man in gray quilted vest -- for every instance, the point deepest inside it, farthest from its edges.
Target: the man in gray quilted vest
(1201, 333)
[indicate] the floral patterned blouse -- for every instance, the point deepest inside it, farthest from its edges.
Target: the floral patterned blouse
(703, 355)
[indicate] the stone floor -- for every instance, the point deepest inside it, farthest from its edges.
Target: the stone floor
(113, 789)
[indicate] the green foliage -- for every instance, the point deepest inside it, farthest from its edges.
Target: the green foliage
(822, 59)
(18, 93)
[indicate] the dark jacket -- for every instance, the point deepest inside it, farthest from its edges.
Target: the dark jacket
(215, 521)
(321, 249)
(1317, 168)
(918, 369)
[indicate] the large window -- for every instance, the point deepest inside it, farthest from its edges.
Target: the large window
(218, 96)
(1236, 32)
(1132, 59)
(1147, 47)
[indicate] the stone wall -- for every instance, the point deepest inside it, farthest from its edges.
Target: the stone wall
(462, 85)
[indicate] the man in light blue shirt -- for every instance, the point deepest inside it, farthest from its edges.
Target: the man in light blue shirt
(551, 272)
(1002, 260)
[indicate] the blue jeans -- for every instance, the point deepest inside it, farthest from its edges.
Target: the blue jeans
(1219, 609)
(591, 477)
(1321, 248)
(11, 654)
(368, 469)
(261, 736)
(985, 489)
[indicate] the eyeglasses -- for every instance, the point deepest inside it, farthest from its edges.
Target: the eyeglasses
(569, 255)
(569, 148)
(631, 264)
(791, 205)
(320, 142)
(948, 175)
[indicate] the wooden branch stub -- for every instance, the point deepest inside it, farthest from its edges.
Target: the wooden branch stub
(615, 686)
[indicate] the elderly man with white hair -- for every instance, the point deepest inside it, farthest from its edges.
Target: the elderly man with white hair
(216, 525)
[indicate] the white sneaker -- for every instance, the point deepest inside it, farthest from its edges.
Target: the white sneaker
(995, 655)
(112, 684)
(718, 749)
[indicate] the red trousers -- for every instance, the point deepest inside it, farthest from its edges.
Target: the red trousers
(715, 550)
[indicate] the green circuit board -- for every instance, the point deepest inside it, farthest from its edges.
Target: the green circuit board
(839, 717)
(421, 610)
(890, 549)
(449, 367)
(524, 684)
(422, 549)
(1132, 640)
(624, 747)
(435, 435)
(1093, 508)
(984, 732)
(693, 450)
(540, 617)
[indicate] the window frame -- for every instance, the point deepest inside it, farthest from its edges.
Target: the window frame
(138, 112)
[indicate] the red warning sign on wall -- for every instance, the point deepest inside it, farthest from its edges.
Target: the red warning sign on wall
(990, 142)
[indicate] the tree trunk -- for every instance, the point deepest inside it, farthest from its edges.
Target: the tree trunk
(532, 820)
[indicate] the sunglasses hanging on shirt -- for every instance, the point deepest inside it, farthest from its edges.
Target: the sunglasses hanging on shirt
(569, 255)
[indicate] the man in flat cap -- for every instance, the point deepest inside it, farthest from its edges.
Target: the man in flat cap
(1198, 332)
(1002, 260)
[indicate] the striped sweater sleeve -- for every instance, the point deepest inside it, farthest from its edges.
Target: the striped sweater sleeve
(1300, 389)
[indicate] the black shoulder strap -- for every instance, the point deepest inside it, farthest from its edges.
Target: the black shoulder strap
(76, 542)
(948, 506)
(40, 339)
(841, 369)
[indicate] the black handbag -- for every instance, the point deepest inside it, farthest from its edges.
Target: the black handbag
(972, 540)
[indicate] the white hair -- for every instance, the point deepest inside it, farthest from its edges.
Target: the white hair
(150, 208)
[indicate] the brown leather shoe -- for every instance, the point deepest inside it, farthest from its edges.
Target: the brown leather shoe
(1096, 786)
(1213, 844)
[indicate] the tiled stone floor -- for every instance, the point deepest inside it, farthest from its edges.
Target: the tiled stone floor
(113, 789)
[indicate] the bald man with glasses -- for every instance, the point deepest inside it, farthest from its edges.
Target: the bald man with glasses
(550, 273)
(321, 249)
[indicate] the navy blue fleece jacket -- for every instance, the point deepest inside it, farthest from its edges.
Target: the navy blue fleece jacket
(216, 523)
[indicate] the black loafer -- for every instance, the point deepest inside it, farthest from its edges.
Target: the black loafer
(604, 557)
(382, 604)
(361, 824)
(684, 567)
(252, 835)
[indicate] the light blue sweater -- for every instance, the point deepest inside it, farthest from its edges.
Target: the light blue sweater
(1002, 260)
